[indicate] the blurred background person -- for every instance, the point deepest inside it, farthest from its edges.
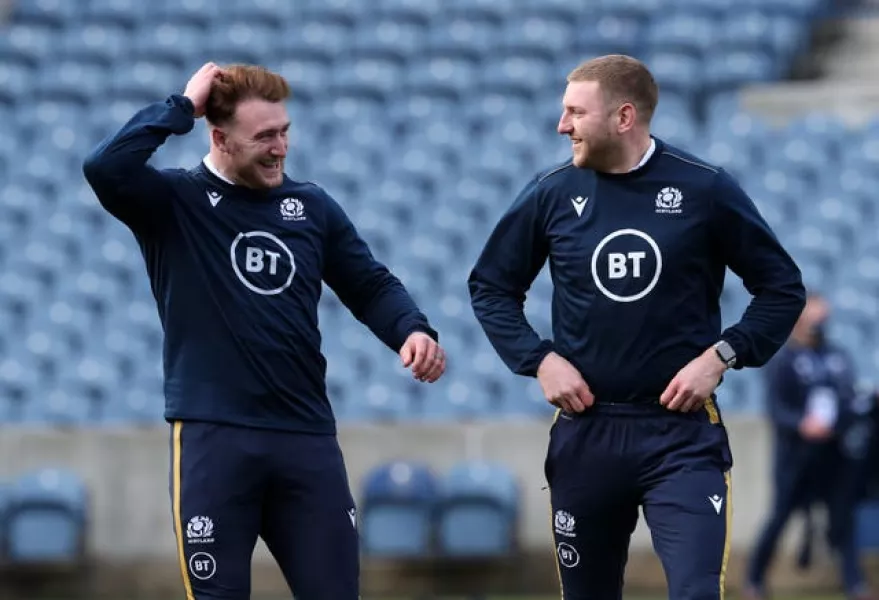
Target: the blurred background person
(822, 429)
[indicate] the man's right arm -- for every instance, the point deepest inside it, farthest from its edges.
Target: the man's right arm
(512, 257)
(126, 186)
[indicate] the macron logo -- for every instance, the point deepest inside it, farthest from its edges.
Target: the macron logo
(214, 197)
(716, 502)
(579, 204)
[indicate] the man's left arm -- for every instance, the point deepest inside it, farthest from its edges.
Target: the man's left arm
(752, 251)
(377, 298)
(747, 245)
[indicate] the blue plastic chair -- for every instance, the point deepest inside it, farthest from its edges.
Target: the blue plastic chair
(167, 40)
(16, 80)
(420, 10)
(610, 33)
(392, 37)
(478, 510)
(30, 42)
(397, 510)
(100, 42)
(475, 35)
(51, 13)
(196, 12)
(125, 13)
(47, 518)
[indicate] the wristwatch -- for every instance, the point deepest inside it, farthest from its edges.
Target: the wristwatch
(725, 353)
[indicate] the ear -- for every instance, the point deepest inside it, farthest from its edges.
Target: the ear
(219, 139)
(628, 117)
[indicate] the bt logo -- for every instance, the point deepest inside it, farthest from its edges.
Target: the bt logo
(262, 262)
(626, 265)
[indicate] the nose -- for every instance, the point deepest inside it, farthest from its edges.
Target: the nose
(279, 146)
(565, 127)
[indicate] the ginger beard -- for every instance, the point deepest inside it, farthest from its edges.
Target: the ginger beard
(255, 167)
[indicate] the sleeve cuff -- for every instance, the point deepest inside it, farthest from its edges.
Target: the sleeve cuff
(738, 347)
(537, 356)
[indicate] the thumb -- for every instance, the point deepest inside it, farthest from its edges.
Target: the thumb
(406, 354)
(585, 394)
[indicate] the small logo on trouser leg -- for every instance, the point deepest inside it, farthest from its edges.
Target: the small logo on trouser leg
(200, 530)
(568, 555)
(716, 502)
(202, 565)
(352, 514)
(564, 523)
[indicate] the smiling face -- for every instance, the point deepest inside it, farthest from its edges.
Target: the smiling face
(248, 122)
(608, 100)
(255, 143)
(589, 123)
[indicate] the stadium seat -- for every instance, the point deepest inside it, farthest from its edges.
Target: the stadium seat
(397, 510)
(476, 35)
(320, 31)
(100, 42)
(135, 407)
(609, 34)
(47, 518)
(32, 42)
(495, 10)
(683, 32)
(52, 13)
(639, 9)
(268, 13)
(170, 41)
(456, 400)
(125, 13)
(16, 80)
(477, 510)
(195, 12)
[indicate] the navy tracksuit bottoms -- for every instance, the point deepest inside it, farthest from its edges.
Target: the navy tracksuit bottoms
(605, 463)
(230, 485)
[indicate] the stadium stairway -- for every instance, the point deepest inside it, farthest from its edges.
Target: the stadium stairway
(847, 86)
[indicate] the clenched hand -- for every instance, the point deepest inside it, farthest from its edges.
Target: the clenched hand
(693, 384)
(562, 384)
(424, 356)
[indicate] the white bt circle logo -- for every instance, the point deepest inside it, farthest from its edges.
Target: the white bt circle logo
(262, 262)
(626, 265)
(202, 565)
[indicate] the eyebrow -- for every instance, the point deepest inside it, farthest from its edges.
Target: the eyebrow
(263, 132)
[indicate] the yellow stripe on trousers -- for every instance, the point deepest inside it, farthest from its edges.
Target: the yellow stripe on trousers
(555, 552)
(727, 538)
(176, 509)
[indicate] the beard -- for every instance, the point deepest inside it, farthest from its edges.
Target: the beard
(597, 152)
(251, 171)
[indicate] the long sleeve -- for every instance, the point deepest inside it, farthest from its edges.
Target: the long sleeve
(126, 186)
(512, 257)
(370, 291)
(752, 251)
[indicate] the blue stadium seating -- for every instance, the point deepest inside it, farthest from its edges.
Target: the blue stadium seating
(477, 511)
(397, 510)
(46, 518)
(422, 117)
